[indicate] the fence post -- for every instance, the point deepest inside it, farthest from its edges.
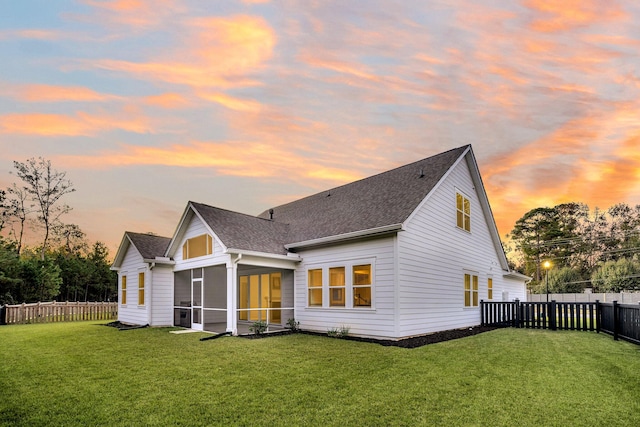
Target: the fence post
(516, 319)
(482, 320)
(552, 315)
(598, 316)
(615, 320)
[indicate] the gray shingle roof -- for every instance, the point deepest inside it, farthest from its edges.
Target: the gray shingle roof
(380, 200)
(149, 245)
(240, 231)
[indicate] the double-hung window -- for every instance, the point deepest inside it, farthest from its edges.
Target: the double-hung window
(141, 288)
(123, 296)
(470, 290)
(490, 288)
(362, 285)
(337, 287)
(463, 212)
(314, 279)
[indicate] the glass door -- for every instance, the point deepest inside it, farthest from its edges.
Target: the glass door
(258, 292)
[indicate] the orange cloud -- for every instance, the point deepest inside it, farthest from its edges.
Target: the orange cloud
(236, 158)
(564, 15)
(137, 14)
(82, 124)
(167, 100)
(218, 52)
(233, 103)
(51, 93)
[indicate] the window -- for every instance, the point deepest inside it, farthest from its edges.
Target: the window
(470, 290)
(463, 211)
(337, 287)
(123, 297)
(315, 287)
(345, 286)
(362, 285)
(140, 288)
(197, 246)
(260, 295)
(490, 288)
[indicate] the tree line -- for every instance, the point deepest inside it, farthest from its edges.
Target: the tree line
(63, 266)
(583, 248)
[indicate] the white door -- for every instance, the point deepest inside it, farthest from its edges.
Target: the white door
(196, 297)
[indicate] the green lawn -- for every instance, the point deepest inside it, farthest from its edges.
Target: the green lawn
(87, 374)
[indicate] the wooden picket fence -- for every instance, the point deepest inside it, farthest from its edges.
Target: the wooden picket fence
(44, 312)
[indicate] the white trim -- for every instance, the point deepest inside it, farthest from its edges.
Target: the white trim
(288, 257)
(346, 236)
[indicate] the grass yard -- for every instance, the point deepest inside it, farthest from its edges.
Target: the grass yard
(87, 374)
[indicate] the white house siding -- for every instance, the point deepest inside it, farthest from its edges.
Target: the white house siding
(511, 290)
(375, 322)
(160, 295)
(434, 254)
(131, 312)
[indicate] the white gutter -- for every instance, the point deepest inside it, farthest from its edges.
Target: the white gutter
(516, 275)
(159, 260)
(386, 229)
(240, 252)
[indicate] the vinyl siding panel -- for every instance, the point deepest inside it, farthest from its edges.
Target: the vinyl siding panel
(434, 255)
(377, 321)
(131, 312)
(160, 293)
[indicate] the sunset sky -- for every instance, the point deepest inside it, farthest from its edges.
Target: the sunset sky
(244, 105)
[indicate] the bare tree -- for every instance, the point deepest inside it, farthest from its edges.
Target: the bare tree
(44, 186)
(16, 210)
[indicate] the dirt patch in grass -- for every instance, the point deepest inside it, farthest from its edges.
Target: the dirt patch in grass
(433, 338)
(413, 342)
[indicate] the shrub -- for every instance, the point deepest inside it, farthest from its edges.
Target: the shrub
(293, 325)
(341, 332)
(259, 327)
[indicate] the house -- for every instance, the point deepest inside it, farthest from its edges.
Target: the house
(406, 252)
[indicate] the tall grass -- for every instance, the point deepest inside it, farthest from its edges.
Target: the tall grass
(86, 374)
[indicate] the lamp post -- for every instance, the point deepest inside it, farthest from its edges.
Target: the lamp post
(547, 266)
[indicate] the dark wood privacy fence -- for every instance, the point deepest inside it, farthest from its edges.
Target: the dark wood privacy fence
(43, 312)
(620, 320)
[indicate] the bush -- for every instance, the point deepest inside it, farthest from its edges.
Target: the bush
(616, 276)
(258, 328)
(341, 332)
(293, 325)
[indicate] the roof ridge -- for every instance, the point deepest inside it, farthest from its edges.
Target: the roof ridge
(365, 178)
(234, 212)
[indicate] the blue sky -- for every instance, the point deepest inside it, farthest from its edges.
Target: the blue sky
(249, 104)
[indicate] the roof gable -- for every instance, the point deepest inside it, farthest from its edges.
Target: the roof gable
(149, 246)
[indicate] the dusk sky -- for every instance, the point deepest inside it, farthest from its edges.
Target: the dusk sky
(245, 105)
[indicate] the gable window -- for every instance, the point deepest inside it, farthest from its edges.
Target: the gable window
(490, 288)
(197, 247)
(463, 212)
(123, 295)
(336, 287)
(362, 285)
(141, 288)
(470, 290)
(315, 287)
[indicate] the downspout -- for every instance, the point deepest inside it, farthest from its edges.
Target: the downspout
(150, 293)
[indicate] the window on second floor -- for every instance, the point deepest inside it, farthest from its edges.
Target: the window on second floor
(463, 212)
(197, 246)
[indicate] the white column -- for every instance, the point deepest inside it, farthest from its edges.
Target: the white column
(232, 296)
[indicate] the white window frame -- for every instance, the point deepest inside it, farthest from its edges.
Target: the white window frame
(471, 275)
(143, 287)
(466, 218)
(348, 288)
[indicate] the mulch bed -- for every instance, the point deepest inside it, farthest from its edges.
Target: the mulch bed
(412, 342)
